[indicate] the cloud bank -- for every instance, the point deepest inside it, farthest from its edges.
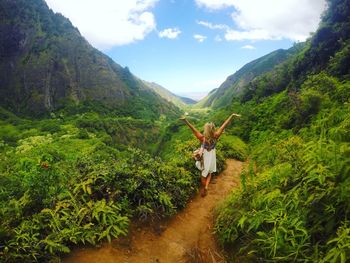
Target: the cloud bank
(109, 22)
(170, 33)
(268, 19)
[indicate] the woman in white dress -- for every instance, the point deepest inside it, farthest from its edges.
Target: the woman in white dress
(208, 141)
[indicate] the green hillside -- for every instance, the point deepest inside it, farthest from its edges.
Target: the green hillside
(293, 203)
(179, 101)
(80, 140)
(236, 83)
(86, 147)
(46, 65)
(81, 179)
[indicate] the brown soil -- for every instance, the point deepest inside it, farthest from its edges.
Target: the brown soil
(187, 237)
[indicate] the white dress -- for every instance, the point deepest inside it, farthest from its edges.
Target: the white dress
(209, 161)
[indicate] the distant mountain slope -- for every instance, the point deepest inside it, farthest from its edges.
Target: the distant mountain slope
(188, 101)
(327, 50)
(169, 96)
(235, 83)
(45, 63)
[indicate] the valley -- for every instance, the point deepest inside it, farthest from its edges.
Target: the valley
(88, 151)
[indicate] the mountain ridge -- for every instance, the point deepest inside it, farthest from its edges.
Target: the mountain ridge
(179, 101)
(234, 84)
(45, 62)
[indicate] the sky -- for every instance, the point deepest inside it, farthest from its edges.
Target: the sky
(190, 46)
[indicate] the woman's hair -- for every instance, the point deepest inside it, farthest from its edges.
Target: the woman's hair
(209, 131)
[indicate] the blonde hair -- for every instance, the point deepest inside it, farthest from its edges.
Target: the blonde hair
(209, 132)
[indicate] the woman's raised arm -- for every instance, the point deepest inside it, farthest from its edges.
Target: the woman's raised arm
(194, 130)
(223, 126)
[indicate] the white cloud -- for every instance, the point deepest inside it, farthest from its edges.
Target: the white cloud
(215, 4)
(169, 33)
(200, 38)
(218, 38)
(248, 47)
(257, 34)
(212, 26)
(107, 23)
(269, 19)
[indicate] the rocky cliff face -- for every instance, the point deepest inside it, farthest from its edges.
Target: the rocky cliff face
(45, 62)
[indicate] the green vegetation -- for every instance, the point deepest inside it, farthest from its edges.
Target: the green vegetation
(88, 168)
(81, 179)
(181, 102)
(293, 201)
(80, 141)
(54, 67)
(235, 84)
(293, 206)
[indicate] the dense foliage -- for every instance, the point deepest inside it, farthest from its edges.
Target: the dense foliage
(293, 201)
(78, 179)
(235, 84)
(82, 174)
(87, 161)
(293, 204)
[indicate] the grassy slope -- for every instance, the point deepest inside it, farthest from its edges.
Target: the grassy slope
(81, 178)
(236, 84)
(292, 204)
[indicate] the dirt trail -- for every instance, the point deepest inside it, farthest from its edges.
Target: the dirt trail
(187, 237)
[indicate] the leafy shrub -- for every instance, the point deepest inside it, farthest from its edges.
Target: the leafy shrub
(83, 134)
(54, 196)
(233, 147)
(9, 134)
(293, 207)
(50, 126)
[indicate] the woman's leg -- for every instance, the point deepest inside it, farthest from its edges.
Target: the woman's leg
(208, 181)
(203, 183)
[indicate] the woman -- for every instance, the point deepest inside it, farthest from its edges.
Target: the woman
(208, 140)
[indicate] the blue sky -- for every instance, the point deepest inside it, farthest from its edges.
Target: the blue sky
(190, 46)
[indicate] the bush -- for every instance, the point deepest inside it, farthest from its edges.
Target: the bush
(50, 126)
(53, 196)
(292, 207)
(233, 147)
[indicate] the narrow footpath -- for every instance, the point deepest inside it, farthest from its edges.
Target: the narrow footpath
(187, 237)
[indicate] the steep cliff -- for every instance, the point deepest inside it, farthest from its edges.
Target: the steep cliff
(45, 63)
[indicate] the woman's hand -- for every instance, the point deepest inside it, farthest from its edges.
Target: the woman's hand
(183, 117)
(235, 114)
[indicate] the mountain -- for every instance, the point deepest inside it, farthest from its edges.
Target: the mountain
(234, 85)
(169, 96)
(327, 51)
(296, 118)
(187, 100)
(45, 64)
(329, 47)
